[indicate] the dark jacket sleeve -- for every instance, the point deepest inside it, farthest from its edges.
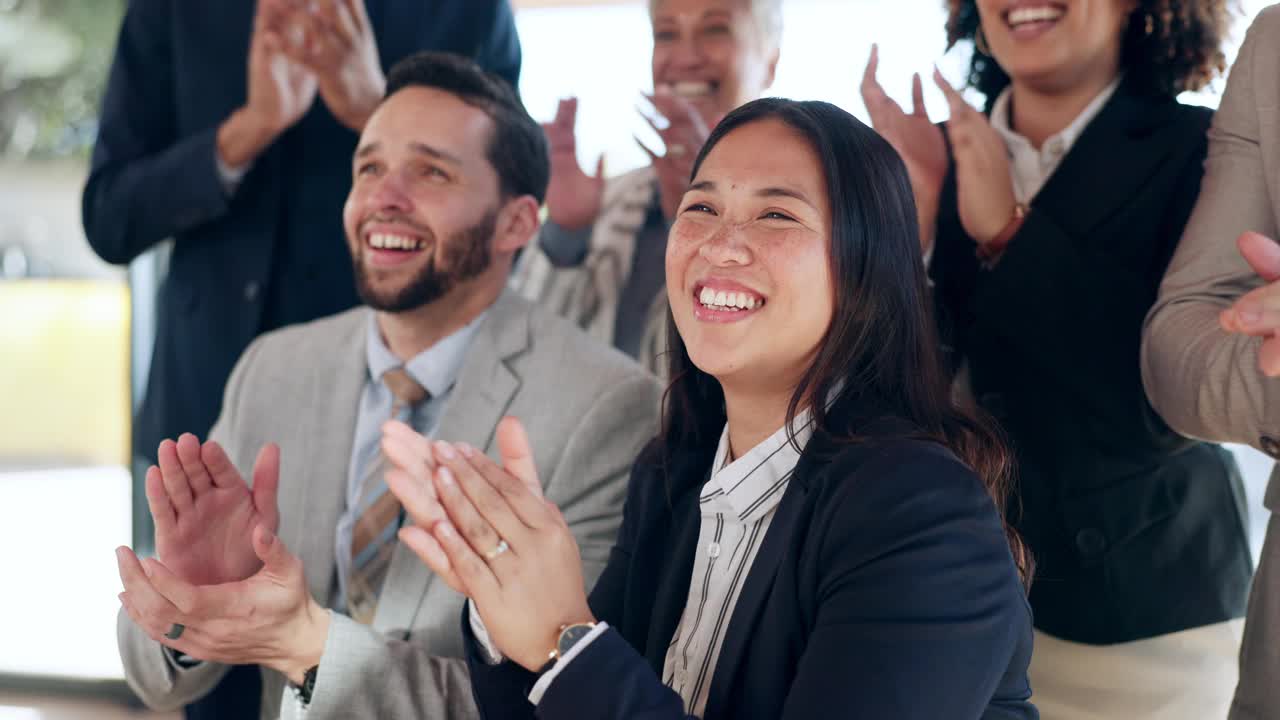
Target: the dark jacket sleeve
(146, 183)
(920, 612)
(500, 51)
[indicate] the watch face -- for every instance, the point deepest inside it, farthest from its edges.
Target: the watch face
(570, 637)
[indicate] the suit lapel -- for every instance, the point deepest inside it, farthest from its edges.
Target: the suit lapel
(484, 391)
(1127, 139)
(676, 571)
(326, 433)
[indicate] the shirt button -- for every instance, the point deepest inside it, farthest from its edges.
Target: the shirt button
(713, 550)
(251, 291)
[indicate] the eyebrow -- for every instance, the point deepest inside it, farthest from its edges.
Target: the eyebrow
(767, 192)
(418, 147)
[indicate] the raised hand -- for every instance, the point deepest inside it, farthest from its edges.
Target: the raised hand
(573, 196)
(414, 464)
(204, 512)
(684, 135)
(337, 44)
(1257, 313)
(501, 544)
(280, 89)
(984, 186)
(266, 619)
(918, 141)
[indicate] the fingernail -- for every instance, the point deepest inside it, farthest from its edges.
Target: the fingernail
(446, 451)
(444, 530)
(466, 450)
(1249, 316)
(446, 477)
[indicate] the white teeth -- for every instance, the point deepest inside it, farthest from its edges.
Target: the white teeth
(1033, 14)
(728, 300)
(692, 89)
(384, 241)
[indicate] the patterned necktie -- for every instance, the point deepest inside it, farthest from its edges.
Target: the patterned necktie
(374, 533)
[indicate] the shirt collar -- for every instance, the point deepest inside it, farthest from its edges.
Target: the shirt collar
(753, 484)
(435, 368)
(1059, 143)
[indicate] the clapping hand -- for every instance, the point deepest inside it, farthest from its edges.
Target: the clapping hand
(487, 531)
(984, 186)
(334, 40)
(918, 141)
(1257, 313)
(204, 512)
(684, 133)
(573, 196)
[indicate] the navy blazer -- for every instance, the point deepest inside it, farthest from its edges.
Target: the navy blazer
(1136, 531)
(884, 588)
(274, 252)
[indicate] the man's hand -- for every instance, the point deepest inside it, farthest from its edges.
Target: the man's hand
(918, 141)
(337, 44)
(1257, 313)
(280, 92)
(573, 196)
(205, 513)
(267, 619)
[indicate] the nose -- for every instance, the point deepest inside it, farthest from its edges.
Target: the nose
(389, 193)
(685, 52)
(726, 248)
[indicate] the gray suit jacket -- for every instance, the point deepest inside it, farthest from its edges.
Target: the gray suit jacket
(1204, 382)
(588, 410)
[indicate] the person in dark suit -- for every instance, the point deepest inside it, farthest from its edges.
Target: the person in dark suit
(229, 127)
(778, 557)
(1054, 215)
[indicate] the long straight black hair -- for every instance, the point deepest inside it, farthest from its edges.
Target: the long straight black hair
(881, 355)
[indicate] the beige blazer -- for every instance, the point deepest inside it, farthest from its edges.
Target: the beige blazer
(1204, 382)
(588, 409)
(587, 295)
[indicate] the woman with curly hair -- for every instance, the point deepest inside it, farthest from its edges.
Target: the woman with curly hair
(1047, 222)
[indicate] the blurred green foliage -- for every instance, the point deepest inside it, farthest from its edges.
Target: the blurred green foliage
(54, 59)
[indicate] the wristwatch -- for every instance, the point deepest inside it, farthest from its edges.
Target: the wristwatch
(308, 686)
(570, 635)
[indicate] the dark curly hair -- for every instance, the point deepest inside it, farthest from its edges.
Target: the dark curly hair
(1169, 45)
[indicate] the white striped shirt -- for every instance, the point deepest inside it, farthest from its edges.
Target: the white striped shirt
(737, 505)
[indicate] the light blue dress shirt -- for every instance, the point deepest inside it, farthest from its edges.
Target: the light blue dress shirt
(436, 369)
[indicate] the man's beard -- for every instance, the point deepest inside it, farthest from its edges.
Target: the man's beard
(465, 254)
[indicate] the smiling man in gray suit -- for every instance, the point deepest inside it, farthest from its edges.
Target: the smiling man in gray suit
(448, 178)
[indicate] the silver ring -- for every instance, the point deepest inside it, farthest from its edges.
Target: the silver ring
(676, 150)
(175, 631)
(502, 547)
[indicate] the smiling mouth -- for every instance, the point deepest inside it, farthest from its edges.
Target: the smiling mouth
(695, 89)
(1034, 17)
(394, 242)
(724, 301)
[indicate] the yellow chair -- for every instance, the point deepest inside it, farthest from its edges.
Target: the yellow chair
(64, 373)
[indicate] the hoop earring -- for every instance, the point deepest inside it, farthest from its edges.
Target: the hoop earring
(980, 42)
(1151, 24)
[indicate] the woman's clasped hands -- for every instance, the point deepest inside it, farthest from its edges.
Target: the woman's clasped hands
(487, 531)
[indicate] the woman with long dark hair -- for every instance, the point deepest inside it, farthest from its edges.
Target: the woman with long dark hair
(815, 533)
(1052, 216)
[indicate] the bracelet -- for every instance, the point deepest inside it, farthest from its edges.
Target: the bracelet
(989, 252)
